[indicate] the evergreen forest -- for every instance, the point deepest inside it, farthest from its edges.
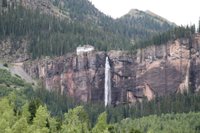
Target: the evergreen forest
(49, 35)
(27, 108)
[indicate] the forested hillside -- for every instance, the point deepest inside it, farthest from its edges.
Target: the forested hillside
(166, 123)
(134, 26)
(24, 109)
(51, 36)
(139, 25)
(81, 24)
(163, 38)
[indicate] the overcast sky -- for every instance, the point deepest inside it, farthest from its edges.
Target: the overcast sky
(178, 11)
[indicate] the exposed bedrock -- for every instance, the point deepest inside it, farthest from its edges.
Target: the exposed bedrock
(153, 71)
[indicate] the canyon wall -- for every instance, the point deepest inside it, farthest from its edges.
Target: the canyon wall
(153, 71)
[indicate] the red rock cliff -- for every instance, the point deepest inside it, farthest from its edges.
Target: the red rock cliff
(153, 71)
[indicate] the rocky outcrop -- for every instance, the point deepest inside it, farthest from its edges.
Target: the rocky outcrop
(153, 71)
(170, 68)
(82, 76)
(123, 66)
(14, 50)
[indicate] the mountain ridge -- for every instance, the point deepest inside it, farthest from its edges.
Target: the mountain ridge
(139, 13)
(158, 16)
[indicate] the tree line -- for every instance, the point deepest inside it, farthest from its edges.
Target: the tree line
(163, 38)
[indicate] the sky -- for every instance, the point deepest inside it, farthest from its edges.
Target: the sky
(182, 12)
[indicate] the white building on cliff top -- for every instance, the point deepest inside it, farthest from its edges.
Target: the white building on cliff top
(84, 49)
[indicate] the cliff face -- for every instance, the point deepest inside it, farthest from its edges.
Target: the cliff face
(82, 76)
(153, 71)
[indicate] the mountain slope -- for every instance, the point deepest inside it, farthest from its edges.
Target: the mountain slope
(161, 19)
(79, 10)
(42, 6)
(56, 27)
(142, 25)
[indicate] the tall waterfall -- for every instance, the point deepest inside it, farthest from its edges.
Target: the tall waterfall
(107, 86)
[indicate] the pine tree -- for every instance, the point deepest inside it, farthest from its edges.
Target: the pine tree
(52, 125)
(7, 118)
(40, 121)
(25, 112)
(21, 126)
(76, 121)
(101, 125)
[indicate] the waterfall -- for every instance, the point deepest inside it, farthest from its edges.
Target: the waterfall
(107, 83)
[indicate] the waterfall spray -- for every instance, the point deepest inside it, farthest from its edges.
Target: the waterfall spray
(107, 86)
